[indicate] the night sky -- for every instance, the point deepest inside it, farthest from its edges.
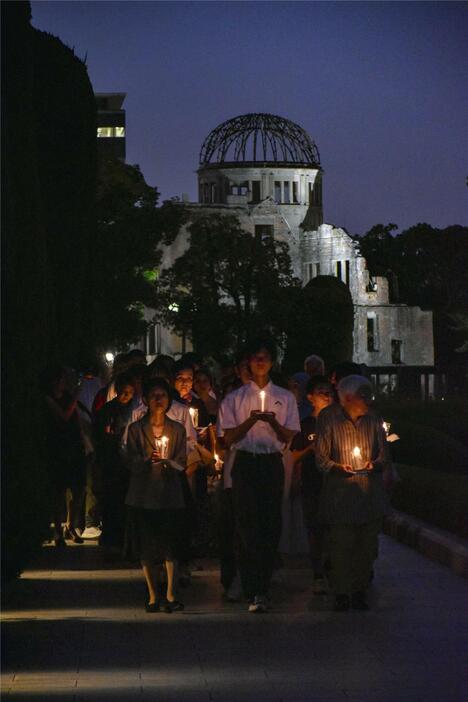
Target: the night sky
(382, 88)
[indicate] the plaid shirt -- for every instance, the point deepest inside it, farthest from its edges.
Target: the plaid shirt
(347, 498)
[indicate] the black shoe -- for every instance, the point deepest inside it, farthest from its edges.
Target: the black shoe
(342, 603)
(359, 601)
(69, 533)
(153, 607)
(175, 606)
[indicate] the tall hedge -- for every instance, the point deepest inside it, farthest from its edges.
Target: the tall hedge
(48, 176)
(321, 322)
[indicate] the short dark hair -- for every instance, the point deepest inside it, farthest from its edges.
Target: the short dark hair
(137, 371)
(151, 383)
(204, 371)
(123, 379)
(182, 364)
(137, 353)
(318, 381)
(262, 343)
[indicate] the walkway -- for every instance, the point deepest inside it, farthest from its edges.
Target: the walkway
(75, 630)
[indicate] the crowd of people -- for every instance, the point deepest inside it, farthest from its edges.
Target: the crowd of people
(163, 464)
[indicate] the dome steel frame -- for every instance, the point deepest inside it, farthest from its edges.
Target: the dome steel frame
(259, 138)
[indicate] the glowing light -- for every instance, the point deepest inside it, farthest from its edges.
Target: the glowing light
(262, 400)
(109, 356)
(194, 415)
(357, 452)
(162, 446)
(173, 307)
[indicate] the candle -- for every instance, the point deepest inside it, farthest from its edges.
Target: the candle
(194, 415)
(356, 459)
(218, 462)
(386, 426)
(262, 400)
(162, 446)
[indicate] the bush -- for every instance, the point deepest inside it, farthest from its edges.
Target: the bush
(450, 416)
(427, 447)
(439, 499)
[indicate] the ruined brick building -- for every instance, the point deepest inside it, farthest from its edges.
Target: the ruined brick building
(266, 170)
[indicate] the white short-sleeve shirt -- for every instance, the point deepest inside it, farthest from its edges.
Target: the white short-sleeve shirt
(237, 406)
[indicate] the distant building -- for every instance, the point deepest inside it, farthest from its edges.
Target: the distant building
(110, 125)
(266, 170)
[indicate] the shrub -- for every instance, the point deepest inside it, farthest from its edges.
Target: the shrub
(439, 499)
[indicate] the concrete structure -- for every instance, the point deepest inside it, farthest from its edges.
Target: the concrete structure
(110, 125)
(266, 170)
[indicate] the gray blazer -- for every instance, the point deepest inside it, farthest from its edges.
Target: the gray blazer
(153, 486)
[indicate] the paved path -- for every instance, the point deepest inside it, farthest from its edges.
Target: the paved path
(74, 629)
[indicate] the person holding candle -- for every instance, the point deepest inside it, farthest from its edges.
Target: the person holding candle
(319, 393)
(156, 458)
(352, 453)
(259, 438)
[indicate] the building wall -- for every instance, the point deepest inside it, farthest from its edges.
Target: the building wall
(322, 250)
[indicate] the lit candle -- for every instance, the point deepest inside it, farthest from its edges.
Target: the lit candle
(194, 415)
(386, 426)
(262, 400)
(218, 462)
(356, 460)
(162, 446)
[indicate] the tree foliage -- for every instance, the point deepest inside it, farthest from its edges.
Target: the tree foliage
(226, 287)
(49, 153)
(430, 266)
(321, 322)
(126, 255)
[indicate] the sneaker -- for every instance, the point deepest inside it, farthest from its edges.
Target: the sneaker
(234, 592)
(91, 532)
(259, 605)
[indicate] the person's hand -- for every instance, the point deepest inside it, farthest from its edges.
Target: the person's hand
(346, 468)
(155, 456)
(369, 466)
(268, 417)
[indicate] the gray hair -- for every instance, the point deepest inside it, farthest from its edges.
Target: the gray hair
(317, 363)
(352, 384)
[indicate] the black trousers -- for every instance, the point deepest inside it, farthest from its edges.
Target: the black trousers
(257, 490)
(225, 530)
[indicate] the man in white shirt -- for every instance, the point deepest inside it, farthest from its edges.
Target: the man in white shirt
(258, 420)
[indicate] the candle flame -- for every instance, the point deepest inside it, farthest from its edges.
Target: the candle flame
(164, 440)
(356, 451)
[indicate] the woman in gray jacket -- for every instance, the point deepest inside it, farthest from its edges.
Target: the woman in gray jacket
(156, 458)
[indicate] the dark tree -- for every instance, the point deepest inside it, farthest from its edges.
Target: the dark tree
(430, 266)
(48, 183)
(126, 251)
(226, 287)
(321, 322)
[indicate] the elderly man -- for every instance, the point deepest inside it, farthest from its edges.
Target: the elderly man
(314, 365)
(351, 451)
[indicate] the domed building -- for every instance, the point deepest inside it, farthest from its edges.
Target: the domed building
(266, 170)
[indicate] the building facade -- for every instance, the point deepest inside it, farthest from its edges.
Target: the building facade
(266, 170)
(110, 125)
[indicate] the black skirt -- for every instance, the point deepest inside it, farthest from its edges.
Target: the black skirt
(154, 534)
